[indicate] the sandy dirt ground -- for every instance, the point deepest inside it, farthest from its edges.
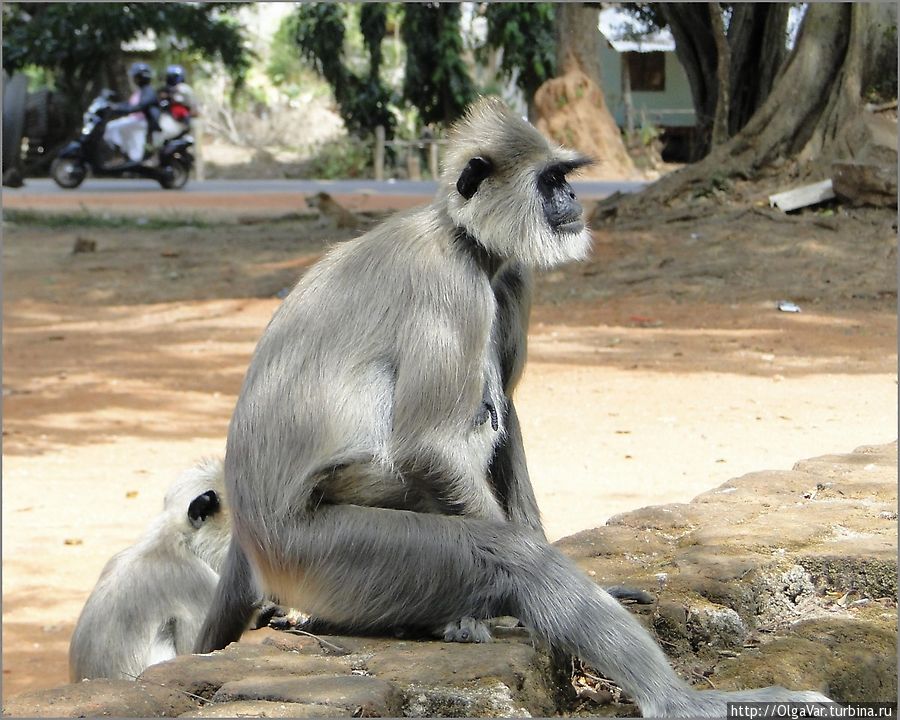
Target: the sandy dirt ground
(658, 369)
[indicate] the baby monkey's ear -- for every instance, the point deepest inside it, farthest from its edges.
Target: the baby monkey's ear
(475, 171)
(202, 507)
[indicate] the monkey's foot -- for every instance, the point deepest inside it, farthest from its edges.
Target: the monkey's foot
(467, 630)
(266, 612)
(714, 703)
(289, 619)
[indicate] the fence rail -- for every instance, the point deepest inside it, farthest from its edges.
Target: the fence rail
(413, 164)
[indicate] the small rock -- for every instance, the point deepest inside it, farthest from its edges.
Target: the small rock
(84, 245)
(94, 698)
(349, 691)
(264, 708)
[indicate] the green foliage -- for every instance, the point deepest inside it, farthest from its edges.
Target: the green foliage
(525, 32)
(285, 69)
(437, 81)
(373, 25)
(648, 133)
(87, 219)
(349, 157)
(320, 33)
(77, 42)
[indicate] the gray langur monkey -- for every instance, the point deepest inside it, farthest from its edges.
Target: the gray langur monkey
(150, 601)
(375, 463)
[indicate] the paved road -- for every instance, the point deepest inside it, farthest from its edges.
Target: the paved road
(92, 187)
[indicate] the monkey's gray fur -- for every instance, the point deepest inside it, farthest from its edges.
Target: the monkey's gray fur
(374, 461)
(151, 598)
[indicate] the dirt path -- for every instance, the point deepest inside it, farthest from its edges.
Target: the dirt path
(658, 369)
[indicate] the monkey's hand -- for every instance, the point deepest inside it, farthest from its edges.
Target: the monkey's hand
(467, 630)
(487, 411)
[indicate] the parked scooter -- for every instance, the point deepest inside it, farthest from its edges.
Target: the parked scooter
(169, 164)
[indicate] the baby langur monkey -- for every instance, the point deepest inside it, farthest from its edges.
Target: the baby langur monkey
(152, 597)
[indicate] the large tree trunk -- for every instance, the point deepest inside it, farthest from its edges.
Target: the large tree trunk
(814, 113)
(695, 48)
(756, 47)
(578, 39)
(723, 75)
(756, 40)
(571, 108)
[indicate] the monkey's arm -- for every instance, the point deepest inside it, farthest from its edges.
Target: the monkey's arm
(234, 603)
(508, 470)
(438, 389)
(509, 477)
(164, 643)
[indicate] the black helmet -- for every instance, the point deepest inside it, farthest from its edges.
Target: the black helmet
(140, 73)
(174, 75)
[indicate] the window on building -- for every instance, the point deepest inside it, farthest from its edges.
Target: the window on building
(647, 71)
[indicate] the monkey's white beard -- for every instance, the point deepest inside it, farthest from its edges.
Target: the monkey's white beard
(547, 249)
(567, 247)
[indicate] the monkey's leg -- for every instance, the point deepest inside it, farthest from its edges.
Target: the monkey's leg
(235, 602)
(374, 568)
(510, 482)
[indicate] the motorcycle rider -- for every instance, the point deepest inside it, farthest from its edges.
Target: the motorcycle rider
(130, 133)
(177, 100)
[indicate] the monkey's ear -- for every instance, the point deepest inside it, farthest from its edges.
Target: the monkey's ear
(202, 507)
(476, 170)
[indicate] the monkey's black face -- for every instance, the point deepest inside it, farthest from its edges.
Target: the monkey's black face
(561, 206)
(202, 507)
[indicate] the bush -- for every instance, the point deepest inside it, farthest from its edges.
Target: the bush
(346, 157)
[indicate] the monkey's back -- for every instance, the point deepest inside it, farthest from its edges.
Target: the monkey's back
(147, 606)
(340, 378)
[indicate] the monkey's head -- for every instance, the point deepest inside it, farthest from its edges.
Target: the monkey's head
(505, 183)
(195, 505)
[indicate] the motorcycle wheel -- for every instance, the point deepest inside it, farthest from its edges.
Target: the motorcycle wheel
(175, 174)
(68, 173)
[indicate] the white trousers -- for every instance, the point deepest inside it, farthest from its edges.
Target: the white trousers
(169, 128)
(129, 133)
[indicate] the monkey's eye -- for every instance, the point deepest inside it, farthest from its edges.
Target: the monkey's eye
(473, 174)
(202, 507)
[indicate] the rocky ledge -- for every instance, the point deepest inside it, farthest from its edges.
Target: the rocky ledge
(786, 577)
